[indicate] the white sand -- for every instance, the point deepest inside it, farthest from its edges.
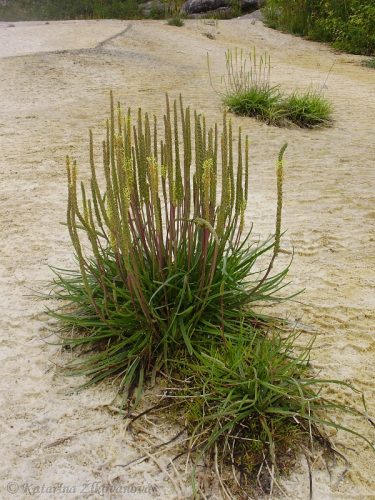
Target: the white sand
(48, 101)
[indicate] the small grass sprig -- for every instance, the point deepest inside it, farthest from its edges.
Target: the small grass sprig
(176, 21)
(369, 63)
(245, 71)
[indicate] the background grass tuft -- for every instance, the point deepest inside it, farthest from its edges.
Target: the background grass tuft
(248, 92)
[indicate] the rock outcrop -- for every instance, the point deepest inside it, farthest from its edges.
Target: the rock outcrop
(201, 6)
(197, 8)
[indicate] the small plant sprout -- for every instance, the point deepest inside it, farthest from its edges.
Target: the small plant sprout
(369, 63)
(176, 21)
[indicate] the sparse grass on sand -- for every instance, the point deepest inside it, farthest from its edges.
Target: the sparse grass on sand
(176, 21)
(369, 63)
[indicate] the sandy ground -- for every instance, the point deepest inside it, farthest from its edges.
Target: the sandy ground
(54, 83)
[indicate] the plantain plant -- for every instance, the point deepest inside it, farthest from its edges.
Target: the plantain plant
(168, 280)
(248, 92)
(169, 255)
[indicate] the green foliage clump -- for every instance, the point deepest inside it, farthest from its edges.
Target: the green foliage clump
(255, 102)
(309, 109)
(247, 86)
(248, 92)
(349, 25)
(254, 402)
(369, 63)
(176, 21)
(236, 8)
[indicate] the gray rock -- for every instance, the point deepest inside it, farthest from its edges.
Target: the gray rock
(257, 15)
(199, 6)
(221, 11)
(251, 5)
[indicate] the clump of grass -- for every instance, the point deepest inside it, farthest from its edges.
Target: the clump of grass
(309, 109)
(256, 102)
(248, 92)
(176, 21)
(254, 404)
(174, 9)
(245, 71)
(369, 63)
(247, 86)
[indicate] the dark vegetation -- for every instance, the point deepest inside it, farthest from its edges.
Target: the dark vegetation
(176, 21)
(29, 10)
(32, 10)
(348, 24)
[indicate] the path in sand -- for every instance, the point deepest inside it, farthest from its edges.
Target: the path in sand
(49, 99)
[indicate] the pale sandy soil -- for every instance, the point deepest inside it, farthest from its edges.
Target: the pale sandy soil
(48, 101)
